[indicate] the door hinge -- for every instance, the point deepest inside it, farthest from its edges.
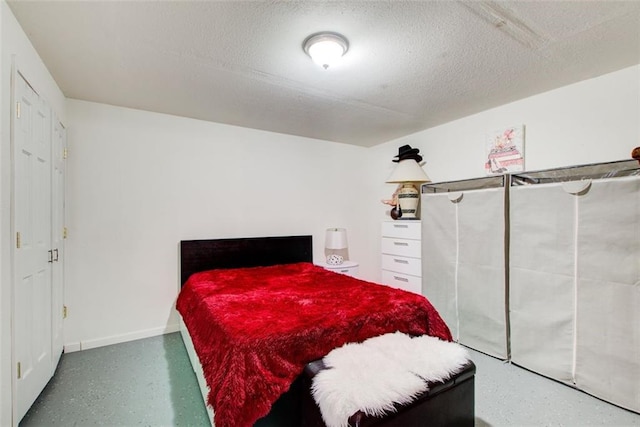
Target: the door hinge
(65, 232)
(19, 371)
(17, 109)
(18, 240)
(64, 311)
(65, 153)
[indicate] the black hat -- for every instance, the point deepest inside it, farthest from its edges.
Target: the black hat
(406, 152)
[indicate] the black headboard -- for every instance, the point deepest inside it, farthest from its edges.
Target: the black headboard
(202, 255)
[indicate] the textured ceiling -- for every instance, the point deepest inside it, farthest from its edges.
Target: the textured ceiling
(411, 65)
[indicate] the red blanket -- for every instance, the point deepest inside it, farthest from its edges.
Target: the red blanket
(255, 329)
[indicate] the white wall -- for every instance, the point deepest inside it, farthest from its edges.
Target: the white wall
(592, 121)
(139, 182)
(14, 46)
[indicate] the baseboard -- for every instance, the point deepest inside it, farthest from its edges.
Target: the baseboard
(71, 347)
(117, 339)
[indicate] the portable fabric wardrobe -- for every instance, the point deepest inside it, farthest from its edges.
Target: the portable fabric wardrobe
(543, 269)
(574, 277)
(464, 262)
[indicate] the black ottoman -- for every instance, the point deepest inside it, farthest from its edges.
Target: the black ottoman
(449, 403)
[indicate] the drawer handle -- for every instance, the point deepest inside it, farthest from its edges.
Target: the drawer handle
(401, 261)
(401, 279)
(401, 225)
(401, 243)
(344, 271)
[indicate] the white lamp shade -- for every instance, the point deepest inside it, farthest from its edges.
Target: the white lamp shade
(335, 238)
(326, 48)
(408, 171)
(326, 52)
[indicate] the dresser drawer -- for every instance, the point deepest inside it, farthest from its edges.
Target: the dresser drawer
(412, 266)
(402, 247)
(402, 229)
(402, 281)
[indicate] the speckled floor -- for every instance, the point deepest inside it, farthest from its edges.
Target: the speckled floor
(509, 396)
(147, 382)
(150, 383)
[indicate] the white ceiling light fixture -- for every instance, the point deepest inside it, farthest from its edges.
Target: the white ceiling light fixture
(325, 48)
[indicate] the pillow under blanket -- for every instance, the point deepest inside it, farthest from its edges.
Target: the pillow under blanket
(374, 375)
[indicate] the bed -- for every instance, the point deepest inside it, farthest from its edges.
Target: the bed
(259, 373)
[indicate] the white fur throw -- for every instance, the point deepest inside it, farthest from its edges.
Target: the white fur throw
(373, 375)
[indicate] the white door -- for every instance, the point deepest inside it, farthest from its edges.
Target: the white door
(32, 227)
(58, 154)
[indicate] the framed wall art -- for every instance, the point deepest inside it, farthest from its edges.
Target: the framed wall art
(505, 150)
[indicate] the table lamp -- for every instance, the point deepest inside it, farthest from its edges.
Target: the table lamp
(336, 248)
(408, 173)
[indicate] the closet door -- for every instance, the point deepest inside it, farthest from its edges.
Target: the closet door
(58, 155)
(32, 256)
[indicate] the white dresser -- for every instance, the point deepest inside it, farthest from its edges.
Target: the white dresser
(401, 255)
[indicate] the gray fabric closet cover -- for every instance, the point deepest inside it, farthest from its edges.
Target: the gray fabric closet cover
(541, 295)
(439, 254)
(575, 285)
(608, 309)
(464, 265)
